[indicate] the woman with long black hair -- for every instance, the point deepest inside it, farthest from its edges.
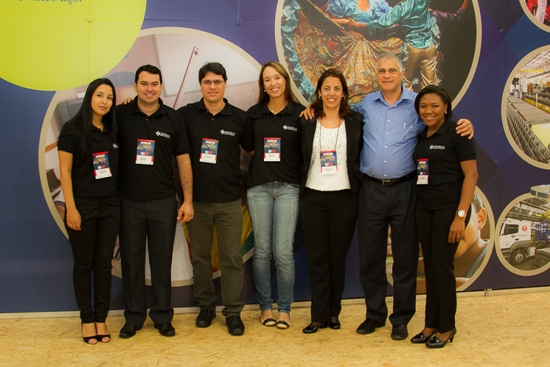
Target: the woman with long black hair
(88, 152)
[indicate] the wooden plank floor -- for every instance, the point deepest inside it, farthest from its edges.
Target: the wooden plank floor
(502, 329)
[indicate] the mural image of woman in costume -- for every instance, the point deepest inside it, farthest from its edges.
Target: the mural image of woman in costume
(351, 34)
(315, 40)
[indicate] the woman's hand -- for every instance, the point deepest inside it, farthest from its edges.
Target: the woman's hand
(73, 219)
(457, 230)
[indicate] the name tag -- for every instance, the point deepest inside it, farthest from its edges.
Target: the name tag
(329, 162)
(145, 152)
(422, 172)
(101, 165)
(209, 151)
(272, 149)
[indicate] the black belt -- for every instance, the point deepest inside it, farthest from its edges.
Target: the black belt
(395, 181)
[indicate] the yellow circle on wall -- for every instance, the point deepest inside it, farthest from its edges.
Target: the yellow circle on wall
(61, 44)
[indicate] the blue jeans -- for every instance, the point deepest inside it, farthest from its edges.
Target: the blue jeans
(274, 212)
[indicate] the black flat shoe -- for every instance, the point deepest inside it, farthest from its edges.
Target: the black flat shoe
(435, 342)
(313, 327)
(334, 325)
(399, 332)
(421, 338)
(369, 325)
(128, 331)
(205, 317)
(166, 329)
(235, 325)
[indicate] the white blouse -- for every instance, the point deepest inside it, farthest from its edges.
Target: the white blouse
(328, 140)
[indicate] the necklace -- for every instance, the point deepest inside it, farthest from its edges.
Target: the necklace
(273, 111)
(324, 119)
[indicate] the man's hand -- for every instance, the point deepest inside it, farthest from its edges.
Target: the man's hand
(126, 101)
(186, 212)
(464, 127)
(308, 113)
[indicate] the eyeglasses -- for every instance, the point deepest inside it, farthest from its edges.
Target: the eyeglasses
(216, 82)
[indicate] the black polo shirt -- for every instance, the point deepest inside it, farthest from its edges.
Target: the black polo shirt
(166, 128)
(284, 125)
(445, 149)
(82, 174)
(219, 182)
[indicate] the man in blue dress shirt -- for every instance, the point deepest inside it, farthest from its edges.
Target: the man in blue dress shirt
(388, 197)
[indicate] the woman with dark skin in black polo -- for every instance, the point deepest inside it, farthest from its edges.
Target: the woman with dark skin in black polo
(446, 181)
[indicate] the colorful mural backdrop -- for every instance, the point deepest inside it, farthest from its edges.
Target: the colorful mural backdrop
(491, 55)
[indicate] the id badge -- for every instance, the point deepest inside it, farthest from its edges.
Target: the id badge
(329, 162)
(272, 149)
(145, 152)
(101, 165)
(422, 172)
(209, 151)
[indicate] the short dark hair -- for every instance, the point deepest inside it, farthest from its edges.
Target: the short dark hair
(317, 103)
(212, 67)
(441, 92)
(151, 69)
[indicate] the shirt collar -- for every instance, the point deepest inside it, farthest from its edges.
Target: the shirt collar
(445, 128)
(158, 112)
(288, 110)
(406, 95)
(225, 111)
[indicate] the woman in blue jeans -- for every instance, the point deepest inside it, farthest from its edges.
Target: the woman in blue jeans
(273, 189)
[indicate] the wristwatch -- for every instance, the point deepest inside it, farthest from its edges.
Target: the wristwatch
(461, 213)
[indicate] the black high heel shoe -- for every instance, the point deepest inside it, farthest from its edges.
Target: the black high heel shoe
(421, 338)
(101, 337)
(435, 342)
(313, 327)
(87, 339)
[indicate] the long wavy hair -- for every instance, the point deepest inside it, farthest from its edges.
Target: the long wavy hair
(317, 102)
(81, 124)
(262, 95)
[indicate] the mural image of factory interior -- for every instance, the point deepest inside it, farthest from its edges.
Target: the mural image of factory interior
(524, 236)
(528, 108)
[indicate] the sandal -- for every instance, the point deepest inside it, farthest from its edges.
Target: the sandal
(282, 324)
(88, 339)
(268, 322)
(101, 337)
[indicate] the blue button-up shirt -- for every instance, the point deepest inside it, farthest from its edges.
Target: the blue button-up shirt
(390, 134)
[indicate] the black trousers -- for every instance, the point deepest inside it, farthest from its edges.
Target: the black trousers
(380, 206)
(328, 220)
(93, 248)
(147, 224)
(433, 229)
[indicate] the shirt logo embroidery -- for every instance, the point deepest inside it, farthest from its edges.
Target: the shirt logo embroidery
(224, 132)
(437, 147)
(291, 128)
(164, 135)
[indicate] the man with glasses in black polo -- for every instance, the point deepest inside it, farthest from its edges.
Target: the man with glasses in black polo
(216, 132)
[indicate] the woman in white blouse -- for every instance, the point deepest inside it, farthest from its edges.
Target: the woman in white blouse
(331, 144)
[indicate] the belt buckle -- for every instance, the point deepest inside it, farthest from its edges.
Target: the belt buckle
(386, 182)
